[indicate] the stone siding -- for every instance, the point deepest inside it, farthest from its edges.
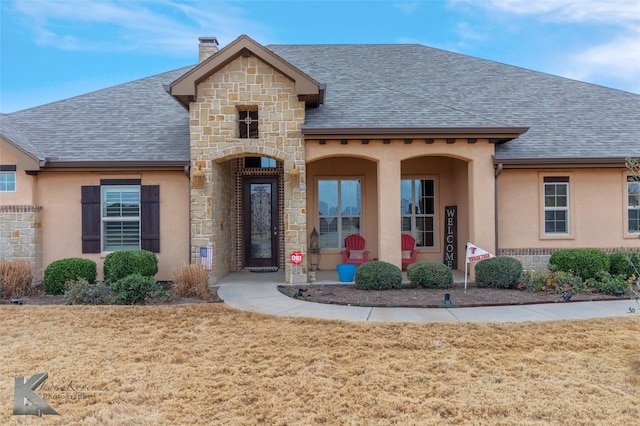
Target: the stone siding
(21, 236)
(246, 82)
(537, 260)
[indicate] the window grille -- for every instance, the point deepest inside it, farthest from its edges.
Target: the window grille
(418, 204)
(556, 205)
(248, 124)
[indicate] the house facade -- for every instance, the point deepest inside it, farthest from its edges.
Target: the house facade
(236, 161)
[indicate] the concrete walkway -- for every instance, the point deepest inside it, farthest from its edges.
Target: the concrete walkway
(258, 292)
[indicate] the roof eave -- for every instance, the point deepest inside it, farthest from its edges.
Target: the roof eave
(160, 165)
(26, 160)
(559, 163)
(184, 89)
(495, 134)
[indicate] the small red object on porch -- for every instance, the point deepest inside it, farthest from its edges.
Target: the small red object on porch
(296, 257)
(354, 251)
(409, 253)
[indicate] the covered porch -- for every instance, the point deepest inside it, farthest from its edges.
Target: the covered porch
(438, 190)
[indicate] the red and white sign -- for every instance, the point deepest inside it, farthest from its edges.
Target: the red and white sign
(296, 257)
(475, 253)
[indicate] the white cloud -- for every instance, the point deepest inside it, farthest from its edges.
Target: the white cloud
(171, 28)
(616, 57)
(618, 12)
(467, 32)
(622, 54)
(407, 7)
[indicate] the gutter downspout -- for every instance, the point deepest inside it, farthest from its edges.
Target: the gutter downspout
(495, 201)
(187, 172)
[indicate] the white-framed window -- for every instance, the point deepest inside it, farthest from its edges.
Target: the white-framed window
(339, 211)
(556, 204)
(418, 210)
(633, 205)
(7, 178)
(120, 207)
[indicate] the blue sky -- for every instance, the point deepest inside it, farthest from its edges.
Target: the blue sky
(56, 49)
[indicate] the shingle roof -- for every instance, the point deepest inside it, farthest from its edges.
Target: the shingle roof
(381, 86)
(136, 121)
(14, 133)
(419, 86)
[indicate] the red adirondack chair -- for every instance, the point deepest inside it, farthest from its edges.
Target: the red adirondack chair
(409, 253)
(354, 251)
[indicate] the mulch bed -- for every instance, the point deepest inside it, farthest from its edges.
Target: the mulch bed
(348, 294)
(406, 296)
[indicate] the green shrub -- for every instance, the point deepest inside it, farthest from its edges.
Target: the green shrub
(606, 283)
(378, 275)
(498, 272)
(551, 282)
(430, 275)
(624, 263)
(584, 262)
(120, 264)
(16, 278)
(81, 292)
(59, 272)
(134, 288)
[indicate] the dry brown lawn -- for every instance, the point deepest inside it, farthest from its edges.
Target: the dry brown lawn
(210, 364)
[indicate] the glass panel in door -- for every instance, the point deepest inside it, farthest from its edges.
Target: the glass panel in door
(261, 222)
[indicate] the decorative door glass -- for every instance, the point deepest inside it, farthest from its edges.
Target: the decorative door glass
(261, 221)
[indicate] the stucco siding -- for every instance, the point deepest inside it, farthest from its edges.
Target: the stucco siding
(24, 193)
(597, 210)
(60, 194)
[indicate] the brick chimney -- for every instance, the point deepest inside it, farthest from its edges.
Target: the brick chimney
(207, 47)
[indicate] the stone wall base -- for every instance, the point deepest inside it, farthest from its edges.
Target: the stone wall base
(21, 236)
(537, 260)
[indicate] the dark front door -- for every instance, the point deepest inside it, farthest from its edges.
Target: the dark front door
(261, 222)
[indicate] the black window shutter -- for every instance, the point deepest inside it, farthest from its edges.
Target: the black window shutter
(150, 218)
(91, 219)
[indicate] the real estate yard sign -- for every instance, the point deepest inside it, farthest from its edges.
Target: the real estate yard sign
(474, 254)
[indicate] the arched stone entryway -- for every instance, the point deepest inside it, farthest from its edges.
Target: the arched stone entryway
(221, 219)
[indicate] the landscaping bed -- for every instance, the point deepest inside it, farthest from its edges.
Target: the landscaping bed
(40, 298)
(406, 296)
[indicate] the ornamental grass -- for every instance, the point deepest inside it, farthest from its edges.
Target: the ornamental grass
(16, 278)
(191, 281)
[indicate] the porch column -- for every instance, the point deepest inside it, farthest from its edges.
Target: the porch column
(481, 204)
(389, 217)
